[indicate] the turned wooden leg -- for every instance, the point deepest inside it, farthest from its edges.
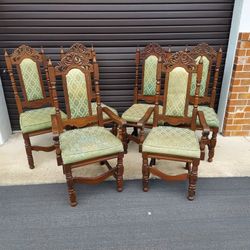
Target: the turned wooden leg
(202, 145)
(212, 145)
(152, 162)
(125, 140)
(114, 129)
(193, 179)
(120, 170)
(145, 174)
(188, 166)
(28, 150)
(70, 183)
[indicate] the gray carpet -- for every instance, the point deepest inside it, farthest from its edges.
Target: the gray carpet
(39, 217)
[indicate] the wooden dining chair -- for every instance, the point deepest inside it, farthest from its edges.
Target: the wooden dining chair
(144, 90)
(34, 103)
(81, 138)
(211, 66)
(176, 140)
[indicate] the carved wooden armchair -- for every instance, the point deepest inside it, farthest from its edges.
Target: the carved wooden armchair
(81, 139)
(81, 48)
(144, 93)
(211, 64)
(37, 120)
(176, 141)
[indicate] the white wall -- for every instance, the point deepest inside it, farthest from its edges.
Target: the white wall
(245, 17)
(5, 128)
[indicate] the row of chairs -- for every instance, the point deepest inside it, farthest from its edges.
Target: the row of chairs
(170, 108)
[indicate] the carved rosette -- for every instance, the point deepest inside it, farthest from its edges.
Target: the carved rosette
(74, 59)
(153, 49)
(203, 49)
(180, 58)
(24, 51)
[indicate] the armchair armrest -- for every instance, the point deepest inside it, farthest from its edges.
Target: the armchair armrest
(146, 117)
(114, 117)
(205, 127)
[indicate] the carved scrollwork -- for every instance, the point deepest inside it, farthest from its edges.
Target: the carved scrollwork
(203, 49)
(180, 58)
(153, 49)
(74, 59)
(25, 51)
(79, 48)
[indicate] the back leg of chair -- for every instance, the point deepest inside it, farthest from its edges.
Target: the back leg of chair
(135, 132)
(114, 129)
(28, 150)
(70, 184)
(119, 174)
(145, 173)
(202, 145)
(212, 144)
(193, 179)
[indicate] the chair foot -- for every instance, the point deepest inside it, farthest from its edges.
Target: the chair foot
(212, 145)
(73, 204)
(193, 179)
(31, 166)
(210, 160)
(190, 198)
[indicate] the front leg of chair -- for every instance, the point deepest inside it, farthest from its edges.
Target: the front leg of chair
(120, 170)
(28, 150)
(70, 184)
(193, 175)
(212, 144)
(125, 139)
(145, 173)
(114, 129)
(203, 141)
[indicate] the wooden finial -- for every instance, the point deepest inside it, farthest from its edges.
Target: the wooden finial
(220, 50)
(5, 52)
(186, 49)
(42, 50)
(50, 62)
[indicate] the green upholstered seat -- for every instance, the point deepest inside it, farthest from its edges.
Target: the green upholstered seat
(37, 119)
(87, 143)
(172, 141)
(105, 116)
(209, 113)
(137, 111)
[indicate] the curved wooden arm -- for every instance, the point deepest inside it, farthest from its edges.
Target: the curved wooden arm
(114, 117)
(146, 117)
(205, 127)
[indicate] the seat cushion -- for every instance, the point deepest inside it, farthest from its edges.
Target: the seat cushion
(172, 141)
(209, 113)
(137, 111)
(105, 116)
(37, 119)
(87, 143)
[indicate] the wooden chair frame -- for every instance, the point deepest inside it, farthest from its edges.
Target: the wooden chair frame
(82, 62)
(14, 60)
(179, 59)
(141, 56)
(214, 58)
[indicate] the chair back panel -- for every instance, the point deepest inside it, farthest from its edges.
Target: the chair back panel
(176, 93)
(77, 93)
(31, 79)
(149, 75)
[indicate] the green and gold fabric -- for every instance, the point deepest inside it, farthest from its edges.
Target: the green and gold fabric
(205, 70)
(31, 79)
(209, 113)
(77, 92)
(137, 111)
(172, 141)
(37, 119)
(150, 71)
(87, 143)
(177, 92)
(105, 116)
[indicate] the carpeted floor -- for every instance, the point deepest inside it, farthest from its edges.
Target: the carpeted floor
(39, 217)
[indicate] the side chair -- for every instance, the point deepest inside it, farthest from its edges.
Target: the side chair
(34, 103)
(81, 138)
(176, 140)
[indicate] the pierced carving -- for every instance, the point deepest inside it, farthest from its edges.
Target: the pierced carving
(80, 48)
(203, 49)
(25, 51)
(74, 59)
(179, 58)
(153, 49)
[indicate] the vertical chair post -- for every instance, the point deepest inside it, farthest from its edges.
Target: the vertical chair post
(137, 62)
(28, 150)
(145, 173)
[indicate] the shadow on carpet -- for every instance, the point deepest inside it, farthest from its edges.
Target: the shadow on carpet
(39, 217)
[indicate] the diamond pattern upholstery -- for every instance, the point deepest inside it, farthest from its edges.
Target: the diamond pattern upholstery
(177, 92)
(149, 80)
(105, 116)
(137, 111)
(209, 113)
(87, 143)
(172, 141)
(31, 79)
(77, 92)
(37, 119)
(203, 79)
